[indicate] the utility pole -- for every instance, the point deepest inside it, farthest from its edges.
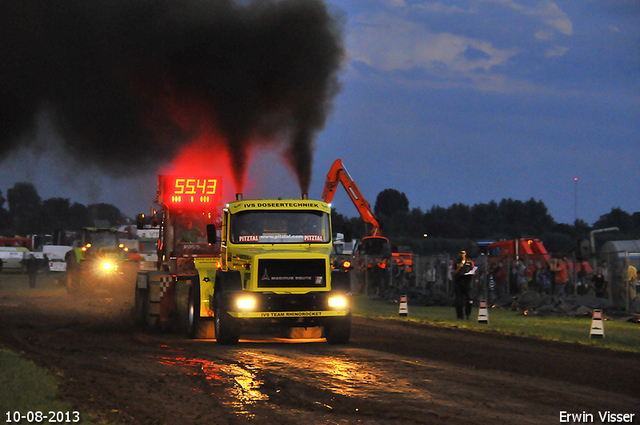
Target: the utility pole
(575, 200)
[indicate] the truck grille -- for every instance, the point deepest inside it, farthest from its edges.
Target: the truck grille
(292, 273)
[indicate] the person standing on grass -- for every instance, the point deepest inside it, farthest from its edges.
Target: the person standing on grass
(32, 270)
(599, 284)
(560, 276)
(521, 276)
(500, 277)
(462, 275)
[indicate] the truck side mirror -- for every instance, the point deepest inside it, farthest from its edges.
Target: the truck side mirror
(211, 234)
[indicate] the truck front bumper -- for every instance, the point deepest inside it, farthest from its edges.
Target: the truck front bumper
(317, 305)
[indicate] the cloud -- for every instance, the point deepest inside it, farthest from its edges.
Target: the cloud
(395, 3)
(481, 44)
(389, 43)
(437, 7)
(554, 17)
(556, 51)
(547, 12)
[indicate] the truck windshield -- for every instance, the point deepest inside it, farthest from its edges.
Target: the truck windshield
(103, 239)
(280, 227)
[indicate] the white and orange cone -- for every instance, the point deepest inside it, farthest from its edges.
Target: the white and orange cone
(404, 309)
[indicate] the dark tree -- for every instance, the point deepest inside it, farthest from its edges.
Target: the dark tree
(390, 202)
(616, 218)
(537, 218)
(79, 217)
(24, 209)
(106, 213)
(5, 220)
(56, 214)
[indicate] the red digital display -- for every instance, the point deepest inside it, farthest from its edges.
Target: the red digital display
(189, 192)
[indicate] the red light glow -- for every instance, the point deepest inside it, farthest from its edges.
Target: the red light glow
(187, 191)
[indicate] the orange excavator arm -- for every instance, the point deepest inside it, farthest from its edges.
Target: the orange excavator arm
(339, 174)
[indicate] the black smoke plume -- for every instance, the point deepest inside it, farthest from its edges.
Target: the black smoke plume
(130, 82)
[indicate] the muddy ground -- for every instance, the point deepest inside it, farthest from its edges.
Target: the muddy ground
(391, 372)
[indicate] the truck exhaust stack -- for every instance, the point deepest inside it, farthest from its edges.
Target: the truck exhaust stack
(305, 196)
(238, 196)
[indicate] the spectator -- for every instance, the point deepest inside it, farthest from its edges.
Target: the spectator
(46, 267)
(559, 268)
(500, 277)
(448, 273)
(632, 278)
(463, 271)
(599, 284)
(32, 270)
(513, 278)
(581, 279)
(531, 276)
(543, 278)
(605, 273)
(430, 277)
(521, 272)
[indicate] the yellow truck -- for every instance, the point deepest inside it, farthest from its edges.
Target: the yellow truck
(256, 264)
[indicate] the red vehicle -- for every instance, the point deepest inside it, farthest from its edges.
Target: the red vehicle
(17, 241)
(521, 248)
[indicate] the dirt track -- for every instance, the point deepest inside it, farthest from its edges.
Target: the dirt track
(392, 372)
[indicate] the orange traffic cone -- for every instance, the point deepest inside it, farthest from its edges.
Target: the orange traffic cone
(483, 314)
(404, 310)
(597, 325)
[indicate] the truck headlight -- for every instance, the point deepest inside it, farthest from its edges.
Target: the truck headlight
(107, 266)
(246, 303)
(337, 301)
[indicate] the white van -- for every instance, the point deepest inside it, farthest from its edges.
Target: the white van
(13, 256)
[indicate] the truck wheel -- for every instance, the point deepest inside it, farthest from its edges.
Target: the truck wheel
(127, 281)
(338, 331)
(197, 326)
(142, 307)
(227, 329)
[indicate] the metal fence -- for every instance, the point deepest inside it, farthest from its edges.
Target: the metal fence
(433, 273)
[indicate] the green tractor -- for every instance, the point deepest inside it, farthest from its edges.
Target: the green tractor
(99, 262)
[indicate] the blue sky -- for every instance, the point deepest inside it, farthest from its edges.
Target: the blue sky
(449, 102)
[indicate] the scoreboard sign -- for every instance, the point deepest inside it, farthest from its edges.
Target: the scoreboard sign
(189, 192)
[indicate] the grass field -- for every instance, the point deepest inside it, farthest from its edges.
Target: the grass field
(621, 336)
(25, 387)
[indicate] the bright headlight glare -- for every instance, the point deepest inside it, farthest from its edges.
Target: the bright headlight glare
(107, 265)
(246, 303)
(337, 302)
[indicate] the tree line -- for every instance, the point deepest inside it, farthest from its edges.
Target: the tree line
(28, 214)
(436, 230)
(440, 229)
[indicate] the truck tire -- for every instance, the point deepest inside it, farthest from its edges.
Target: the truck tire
(84, 285)
(226, 327)
(197, 326)
(127, 280)
(141, 306)
(338, 331)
